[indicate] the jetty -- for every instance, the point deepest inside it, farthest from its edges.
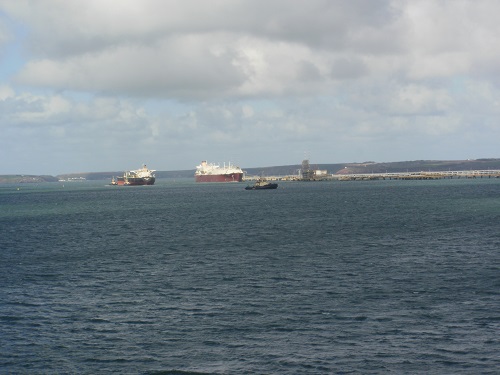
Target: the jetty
(422, 175)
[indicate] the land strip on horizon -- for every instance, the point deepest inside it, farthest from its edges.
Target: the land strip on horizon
(334, 168)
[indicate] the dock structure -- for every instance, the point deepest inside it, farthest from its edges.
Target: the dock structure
(422, 175)
(270, 178)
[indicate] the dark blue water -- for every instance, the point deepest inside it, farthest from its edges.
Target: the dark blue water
(312, 278)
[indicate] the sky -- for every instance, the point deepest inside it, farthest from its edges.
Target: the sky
(106, 85)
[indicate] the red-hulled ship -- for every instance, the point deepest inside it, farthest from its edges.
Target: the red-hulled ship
(215, 173)
(143, 176)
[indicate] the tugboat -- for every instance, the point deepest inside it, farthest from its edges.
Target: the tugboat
(262, 184)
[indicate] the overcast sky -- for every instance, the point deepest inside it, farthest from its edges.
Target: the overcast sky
(106, 85)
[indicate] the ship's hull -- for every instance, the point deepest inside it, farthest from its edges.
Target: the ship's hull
(230, 177)
(135, 181)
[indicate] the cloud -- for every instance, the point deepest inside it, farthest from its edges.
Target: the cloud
(99, 24)
(420, 100)
(175, 50)
(172, 49)
(180, 80)
(139, 70)
(445, 39)
(6, 92)
(4, 35)
(348, 68)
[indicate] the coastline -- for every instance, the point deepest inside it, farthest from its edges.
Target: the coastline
(333, 169)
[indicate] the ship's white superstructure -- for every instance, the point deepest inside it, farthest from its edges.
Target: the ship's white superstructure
(144, 172)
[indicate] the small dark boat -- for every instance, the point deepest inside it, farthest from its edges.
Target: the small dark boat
(262, 184)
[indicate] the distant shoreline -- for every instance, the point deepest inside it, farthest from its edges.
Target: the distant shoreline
(334, 168)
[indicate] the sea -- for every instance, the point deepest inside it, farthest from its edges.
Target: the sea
(352, 277)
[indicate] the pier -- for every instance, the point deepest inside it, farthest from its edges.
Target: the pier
(422, 175)
(430, 175)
